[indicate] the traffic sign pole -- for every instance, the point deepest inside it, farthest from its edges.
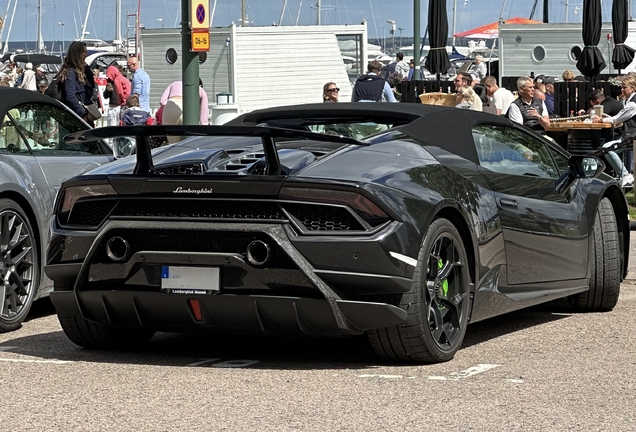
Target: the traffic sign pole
(190, 70)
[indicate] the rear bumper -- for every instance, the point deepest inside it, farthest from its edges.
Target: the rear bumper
(291, 298)
(270, 315)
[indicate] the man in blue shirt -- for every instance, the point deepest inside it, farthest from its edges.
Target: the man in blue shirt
(140, 83)
(372, 87)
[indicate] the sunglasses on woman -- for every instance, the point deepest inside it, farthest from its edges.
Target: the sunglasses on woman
(333, 89)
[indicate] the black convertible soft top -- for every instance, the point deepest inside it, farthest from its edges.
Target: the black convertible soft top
(445, 127)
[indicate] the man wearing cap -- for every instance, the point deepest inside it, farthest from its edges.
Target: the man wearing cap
(43, 84)
(480, 68)
(539, 87)
(39, 74)
(28, 81)
(548, 82)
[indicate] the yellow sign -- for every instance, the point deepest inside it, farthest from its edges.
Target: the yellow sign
(200, 40)
(199, 16)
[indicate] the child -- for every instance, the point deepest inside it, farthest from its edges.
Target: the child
(134, 115)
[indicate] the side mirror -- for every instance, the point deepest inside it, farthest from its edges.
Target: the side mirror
(123, 147)
(591, 167)
(580, 167)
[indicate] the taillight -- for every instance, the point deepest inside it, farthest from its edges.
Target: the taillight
(362, 205)
(71, 194)
(195, 307)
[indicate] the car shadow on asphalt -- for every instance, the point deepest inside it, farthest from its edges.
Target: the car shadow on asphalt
(509, 323)
(208, 350)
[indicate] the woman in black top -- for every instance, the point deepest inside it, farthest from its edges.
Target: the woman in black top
(78, 81)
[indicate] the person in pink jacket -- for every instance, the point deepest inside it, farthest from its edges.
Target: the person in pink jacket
(117, 91)
(172, 103)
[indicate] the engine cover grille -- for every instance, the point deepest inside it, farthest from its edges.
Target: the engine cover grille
(313, 217)
(323, 218)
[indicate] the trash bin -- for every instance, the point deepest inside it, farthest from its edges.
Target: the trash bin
(224, 98)
(223, 113)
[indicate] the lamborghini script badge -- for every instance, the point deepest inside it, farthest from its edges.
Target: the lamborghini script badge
(181, 190)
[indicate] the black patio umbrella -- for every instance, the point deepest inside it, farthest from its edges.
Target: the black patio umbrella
(591, 62)
(622, 56)
(437, 58)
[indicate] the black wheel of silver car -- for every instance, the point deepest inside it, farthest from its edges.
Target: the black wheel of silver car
(437, 304)
(19, 270)
(88, 334)
(605, 280)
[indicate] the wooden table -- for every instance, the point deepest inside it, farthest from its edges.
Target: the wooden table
(582, 138)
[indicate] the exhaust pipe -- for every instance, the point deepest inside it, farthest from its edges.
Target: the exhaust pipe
(117, 249)
(258, 252)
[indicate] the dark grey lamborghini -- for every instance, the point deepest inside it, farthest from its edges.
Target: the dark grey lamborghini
(403, 222)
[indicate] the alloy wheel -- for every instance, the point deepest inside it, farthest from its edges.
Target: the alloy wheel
(16, 265)
(446, 293)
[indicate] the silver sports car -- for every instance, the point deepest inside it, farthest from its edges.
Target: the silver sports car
(33, 162)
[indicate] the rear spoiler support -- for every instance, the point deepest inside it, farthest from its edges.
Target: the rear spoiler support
(142, 134)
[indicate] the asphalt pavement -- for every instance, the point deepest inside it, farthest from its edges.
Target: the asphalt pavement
(631, 268)
(539, 369)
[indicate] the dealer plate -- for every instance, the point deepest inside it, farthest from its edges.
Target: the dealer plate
(190, 280)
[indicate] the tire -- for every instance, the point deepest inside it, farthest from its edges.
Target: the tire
(19, 265)
(437, 304)
(605, 280)
(92, 335)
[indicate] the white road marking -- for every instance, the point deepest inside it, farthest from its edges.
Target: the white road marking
(204, 361)
(34, 361)
(516, 381)
(405, 259)
(455, 376)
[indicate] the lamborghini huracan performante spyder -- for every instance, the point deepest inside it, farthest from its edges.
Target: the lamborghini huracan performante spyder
(403, 222)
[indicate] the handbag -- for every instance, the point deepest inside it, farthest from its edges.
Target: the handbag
(93, 113)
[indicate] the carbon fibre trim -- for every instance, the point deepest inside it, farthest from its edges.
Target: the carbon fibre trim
(275, 232)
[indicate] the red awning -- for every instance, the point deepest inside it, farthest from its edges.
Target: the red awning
(491, 31)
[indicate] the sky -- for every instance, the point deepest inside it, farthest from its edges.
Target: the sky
(155, 13)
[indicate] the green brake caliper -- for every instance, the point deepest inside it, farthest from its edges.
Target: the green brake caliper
(440, 264)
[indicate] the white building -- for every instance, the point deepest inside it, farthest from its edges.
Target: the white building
(260, 67)
(550, 49)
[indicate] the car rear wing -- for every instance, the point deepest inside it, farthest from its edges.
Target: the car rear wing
(142, 134)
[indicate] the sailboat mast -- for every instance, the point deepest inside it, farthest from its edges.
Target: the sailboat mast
(318, 11)
(88, 11)
(118, 21)
(4, 22)
(41, 48)
(282, 12)
(6, 43)
(455, 20)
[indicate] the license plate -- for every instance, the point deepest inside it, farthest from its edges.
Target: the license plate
(190, 280)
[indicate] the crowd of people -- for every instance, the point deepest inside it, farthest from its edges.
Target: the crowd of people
(532, 105)
(128, 100)
(27, 77)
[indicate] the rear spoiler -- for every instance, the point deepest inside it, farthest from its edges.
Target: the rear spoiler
(142, 133)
